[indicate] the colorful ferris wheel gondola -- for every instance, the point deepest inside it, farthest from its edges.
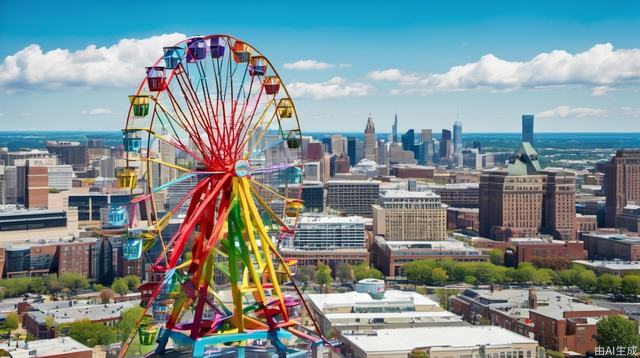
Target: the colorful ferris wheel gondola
(212, 140)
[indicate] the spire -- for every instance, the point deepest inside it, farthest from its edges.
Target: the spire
(370, 126)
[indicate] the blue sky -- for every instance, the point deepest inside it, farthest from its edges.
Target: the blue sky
(381, 57)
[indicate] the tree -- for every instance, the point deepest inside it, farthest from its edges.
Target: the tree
(323, 275)
(609, 283)
(73, 281)
(91, 334)
(362, 271)
(417, 353)
(631, 284)
(496, 256)
(443, 296)
(128, 320)
(471, 280)
(106, 295)
(439, 276)
(120, 286)
(10, 321)
(305, 274)
(616, 331)
(132, 282)
(98, 287)
(587, 280)
(344, 272)
(53, 284)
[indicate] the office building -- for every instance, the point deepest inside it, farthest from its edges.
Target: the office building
(397, 155)
(527, 129)
(459, 195)
(463, 218)
(446, 145)
(408, 140)
(457, 142)
(559, 204)
(438, 342)
(394, 129)
(609, 245)
(622, 182)
(351, 150)
(318, 232)
(370, 140)
(72, 153)
(410, 216)
(471, 158)
(18, 158)
(525, 249)
(390, 257)
(341, 164)
(60, 177)
(326, 144)
(426, 149)
(36, 187)
(353, 197)
(371, 307)
(629, 218)
(558, 322)
(382, 156)
(329, 257)
(477, 145)
(510, 200)
(314, 151)
(89, 204)
(413, 171)
(311, 193)
(338, 144)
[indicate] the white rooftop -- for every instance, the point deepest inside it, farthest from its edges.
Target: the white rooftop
(64, 312)
(618, 265)
(405, 339)
(351, 299)
(44, 347)
(408, 194)
(330, 219)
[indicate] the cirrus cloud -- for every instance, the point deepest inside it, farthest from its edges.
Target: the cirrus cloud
(601, 67)
(336, 87)
(571, 112)
(118, 65)
(96, 112)
(307, 65)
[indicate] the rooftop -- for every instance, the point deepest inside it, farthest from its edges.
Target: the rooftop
(44, 347)
(406, 339)
(352, 299)
(330, 219)
(71, 311)
(408, 194)
(617, 265)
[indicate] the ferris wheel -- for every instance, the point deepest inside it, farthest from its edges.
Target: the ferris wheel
(213, 142)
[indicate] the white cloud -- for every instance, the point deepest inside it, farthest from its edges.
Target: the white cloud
(344, 65)
(601, 90)
(334, 88)
(571, 112)
(630, 111)
(118, 65)
(393, 74)
(601, 67)
(306, 65)
(96, 112)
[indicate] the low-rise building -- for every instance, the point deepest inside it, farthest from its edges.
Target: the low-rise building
(556, 321)
(439, 342)
(526, 249)
(353, 197)
(460, 195)
(463, 218)
(371, 307)
(629, 218)
(322, 232)
(614, 267)
(60, 347)
(610, 245)
(390, 257)
(329, 257)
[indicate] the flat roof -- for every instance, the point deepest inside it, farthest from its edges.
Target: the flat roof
(611, 265)
(420, 315)
(330, 219)
(408, 194)
(354, 181)
(63, 312)
(351, 299)
(44, 347)
(550, 303)
(405, 339)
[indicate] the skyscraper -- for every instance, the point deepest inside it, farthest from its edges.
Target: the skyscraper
(383, 153)
(426, 148)
(446, 145)
(408, 140)
(370, 140)
(338, 144)
(457, 137)
(394, 129)
(351, 150)
(527, 128)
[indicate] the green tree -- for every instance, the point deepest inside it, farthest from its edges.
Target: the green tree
(496, 256)
(128, 320)
(73, 281)
(120, 286)
(132, 282)
(470, 279)
(91, 334)
(344, 272)
(616, 331)
(362, 271)
(98, 287)
(587, 280)
(323, 275)
(305, 274)
(542, 276)
(439, 276)
(631, 284)
(525, 273)
(53, 284)
(609, 283)
(10, 321)
(417, 353)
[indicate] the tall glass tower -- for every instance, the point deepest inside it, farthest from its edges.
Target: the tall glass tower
(527, 128)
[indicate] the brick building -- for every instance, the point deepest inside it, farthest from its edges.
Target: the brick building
(622, 182)
(609, 245)
(526, 249)
(459, 195)
(629, 218)
(463, 218)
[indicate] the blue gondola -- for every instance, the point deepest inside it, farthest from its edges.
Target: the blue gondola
(131, 142)
(216, 47)
(196, 49)
(172, 56)
(117, 216)
(132, 248)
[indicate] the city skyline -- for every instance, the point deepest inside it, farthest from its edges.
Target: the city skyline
(574, 67)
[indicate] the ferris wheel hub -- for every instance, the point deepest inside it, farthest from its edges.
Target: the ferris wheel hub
(242, 168)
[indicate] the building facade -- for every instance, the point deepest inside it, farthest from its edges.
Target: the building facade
(410, 216)
(622, 182)
(353, 197)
